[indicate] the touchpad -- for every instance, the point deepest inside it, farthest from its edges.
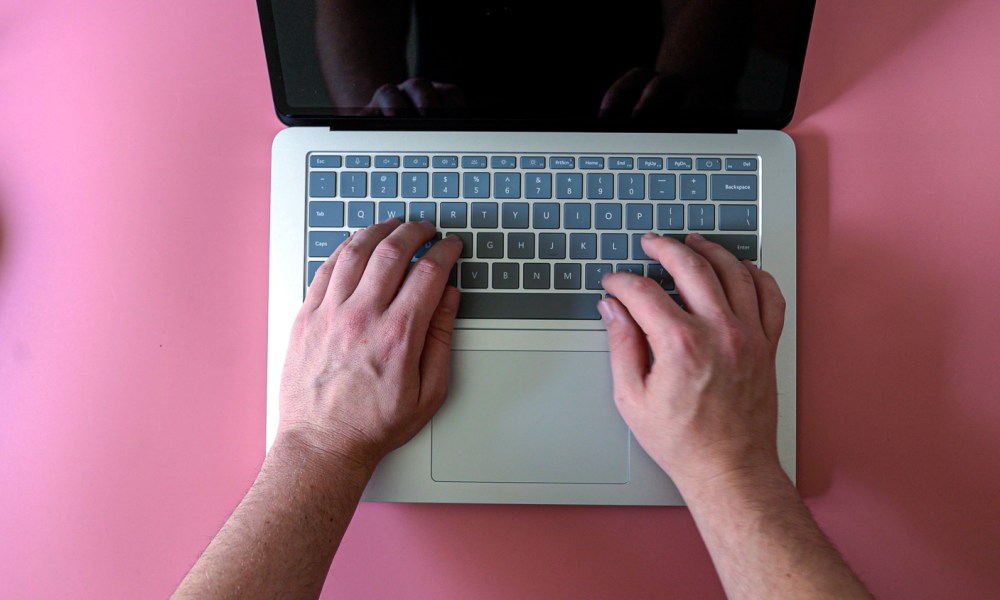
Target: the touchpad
(529, 417)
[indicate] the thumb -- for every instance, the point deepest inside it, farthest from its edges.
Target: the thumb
(435, 362)
(628, 350)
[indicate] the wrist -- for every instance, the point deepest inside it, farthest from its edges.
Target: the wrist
(747, 476)
(301, 448)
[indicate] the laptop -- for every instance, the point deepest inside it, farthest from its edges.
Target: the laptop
(550, 136)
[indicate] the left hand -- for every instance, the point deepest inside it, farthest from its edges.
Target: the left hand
(368, 360)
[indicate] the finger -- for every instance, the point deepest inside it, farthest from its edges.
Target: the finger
(736, 280)
(661, 93)
(772, 302)
(647, 304)
(425, 282)
(422, 94)
(354, 259)
(451, 96)
(389, 261)
(627, 349)
(624, 93)
(393, 102)
(321, 279)
(694, 276)
(435, 361)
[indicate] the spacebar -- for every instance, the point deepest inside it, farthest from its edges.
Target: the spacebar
(506, 305)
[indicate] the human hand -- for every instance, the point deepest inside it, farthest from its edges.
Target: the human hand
(414, 97)
(641, 92)
(707, 405)
(368, 359)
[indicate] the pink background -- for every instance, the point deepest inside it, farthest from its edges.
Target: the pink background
(134, 169)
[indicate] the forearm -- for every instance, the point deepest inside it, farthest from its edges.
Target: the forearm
(280, 540)
(764, 542)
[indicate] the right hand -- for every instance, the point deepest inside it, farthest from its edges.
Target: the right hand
(415, 97)
(707, 405)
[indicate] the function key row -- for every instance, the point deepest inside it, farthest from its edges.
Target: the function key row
(614, 163)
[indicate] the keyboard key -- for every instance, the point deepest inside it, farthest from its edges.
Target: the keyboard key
(360, 214)
(515, 215)
(577, 216)
(453, 276)
(545, 216)
(473, 162)
(322, 184)
(353, 184)
(453, 215)
(614, 246)
(386, 162)
(562, 162)
(520, 245)
(593, 273)
(631, 186)
(679, 164)
(515, 305)
(416, 162)
(600, 186)
(536, 276)
(466, 238)
(583, 246)
(741, 164)
(423, 211)
(414, 184)
(669, 217)
(383, 184)
(634, 268)
(476, 185)
(743, 246)
(650, 163)
(445, 162)
(311, 271)
(567, 276)
(532, 162)
(701, 217)
(444, 185)
(552, 245)
(503, 162)
(538, 186)
(505, 276)
(591, 162)
(324, 161)
(484, 215)
(709, 164)
(326, 214)
(389, 210)
(357, 162)
(475, 275)
(607, 216)
(489, 245)
(507, 185)
(618, 163)
(637, 252)
(662, 187)
(737, 218)
(569, 186)
(639, 216)
(657, 273)
(323, 243)
(734, 187)
(693, 187)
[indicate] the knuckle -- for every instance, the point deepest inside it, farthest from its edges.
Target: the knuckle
(389, 251)
(428, 270)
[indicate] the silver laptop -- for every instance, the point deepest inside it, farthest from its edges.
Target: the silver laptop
(550, 136)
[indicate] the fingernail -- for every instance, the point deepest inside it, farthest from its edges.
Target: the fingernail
(604, 307)
(696, 236)
(451, 237)
(649, 236)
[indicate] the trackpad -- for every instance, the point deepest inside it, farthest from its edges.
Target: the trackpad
(530, 417)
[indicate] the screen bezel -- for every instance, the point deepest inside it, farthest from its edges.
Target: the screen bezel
(689, 123)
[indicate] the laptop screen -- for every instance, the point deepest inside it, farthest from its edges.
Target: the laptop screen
(657, 65)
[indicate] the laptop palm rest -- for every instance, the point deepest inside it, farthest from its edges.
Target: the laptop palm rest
(530, 416)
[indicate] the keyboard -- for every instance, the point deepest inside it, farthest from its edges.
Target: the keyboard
(539, 230)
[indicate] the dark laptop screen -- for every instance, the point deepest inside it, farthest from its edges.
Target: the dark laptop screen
(653, 65)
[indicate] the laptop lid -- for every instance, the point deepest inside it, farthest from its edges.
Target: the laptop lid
(536, 65)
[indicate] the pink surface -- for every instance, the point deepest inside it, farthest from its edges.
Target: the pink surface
(134, 169)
